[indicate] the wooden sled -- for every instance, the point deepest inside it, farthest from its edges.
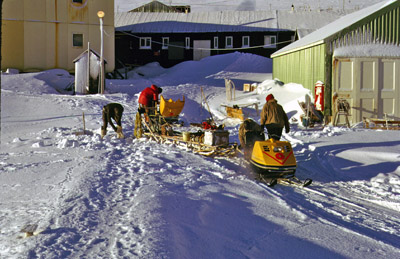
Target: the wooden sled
(382, 124)
(195, 143)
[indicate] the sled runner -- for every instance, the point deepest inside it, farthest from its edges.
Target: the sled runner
(160, 127)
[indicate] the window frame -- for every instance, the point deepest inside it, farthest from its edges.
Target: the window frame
(268, 43)
(165, 42)
(187, 42)
(79, 41)
(230, 46)
(216, 43)
(145, 40)
(248, 41)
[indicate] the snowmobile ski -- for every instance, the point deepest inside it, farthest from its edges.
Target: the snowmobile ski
(270, 182)
(290, 181)
(294, 181)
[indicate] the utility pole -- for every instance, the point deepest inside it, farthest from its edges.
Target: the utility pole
(1, 11)
(101, 14)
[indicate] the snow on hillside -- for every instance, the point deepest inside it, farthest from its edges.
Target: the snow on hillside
(134, 198)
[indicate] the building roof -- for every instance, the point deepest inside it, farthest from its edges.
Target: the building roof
(195, 22)
(156, 6)
(321, 35)
(227, 21)
(85, 54)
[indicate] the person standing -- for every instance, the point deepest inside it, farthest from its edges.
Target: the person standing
(148, 98)
(274, 118)
(114, 111)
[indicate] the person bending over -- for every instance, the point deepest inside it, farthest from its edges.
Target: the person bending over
(112, 111)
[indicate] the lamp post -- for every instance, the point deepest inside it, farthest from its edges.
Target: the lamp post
(101, 14)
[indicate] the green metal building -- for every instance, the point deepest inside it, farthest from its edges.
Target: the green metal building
(357, 57)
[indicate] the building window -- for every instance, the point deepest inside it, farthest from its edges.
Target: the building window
(187, 42)
(77, 40)
(165, 42)
(245, 41)
(229, 42)
(145, 43)
(215, 42)
(269, 41)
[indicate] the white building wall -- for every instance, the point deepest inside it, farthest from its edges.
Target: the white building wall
(370, 85)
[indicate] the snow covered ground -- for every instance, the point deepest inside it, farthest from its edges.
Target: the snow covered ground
(134, 198)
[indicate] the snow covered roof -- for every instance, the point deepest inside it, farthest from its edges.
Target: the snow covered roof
(85, 53)
(223, 21)
(319, 36)
(368, 50)
(195, 22)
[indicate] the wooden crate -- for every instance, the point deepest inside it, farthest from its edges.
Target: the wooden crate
(235, 113)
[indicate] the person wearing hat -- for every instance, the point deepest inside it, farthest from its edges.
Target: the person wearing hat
(148, 98)
(274, 118)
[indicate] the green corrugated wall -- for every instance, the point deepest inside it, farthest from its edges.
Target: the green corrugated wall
(311, 64)
(306, 66)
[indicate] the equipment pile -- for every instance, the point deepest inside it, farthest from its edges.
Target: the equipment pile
(204, 138)
(271, 160)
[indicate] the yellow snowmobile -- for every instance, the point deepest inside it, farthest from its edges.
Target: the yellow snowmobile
(273, 161)
(274, 158)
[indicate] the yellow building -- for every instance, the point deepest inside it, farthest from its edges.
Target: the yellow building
(46, 34)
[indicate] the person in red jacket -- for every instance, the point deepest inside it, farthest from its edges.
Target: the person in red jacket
(149, 97)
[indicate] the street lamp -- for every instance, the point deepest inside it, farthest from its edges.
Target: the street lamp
(101, 14)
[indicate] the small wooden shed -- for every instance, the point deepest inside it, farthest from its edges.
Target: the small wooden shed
(87, 72)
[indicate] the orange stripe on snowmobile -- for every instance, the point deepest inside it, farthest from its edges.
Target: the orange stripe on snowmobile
(291, 152)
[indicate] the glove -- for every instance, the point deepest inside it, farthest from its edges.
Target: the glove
(119, 132)
(103, 132)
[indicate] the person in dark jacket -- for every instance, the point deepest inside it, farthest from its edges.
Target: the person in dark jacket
(274, 118)
(148, 98)
(249, 133)
(114, 111)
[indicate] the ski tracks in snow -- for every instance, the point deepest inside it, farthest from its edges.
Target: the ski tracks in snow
(98, 215)
(102, 213)
(356, 206)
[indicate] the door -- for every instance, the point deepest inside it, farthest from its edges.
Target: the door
(370, 85)
(201, 49)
